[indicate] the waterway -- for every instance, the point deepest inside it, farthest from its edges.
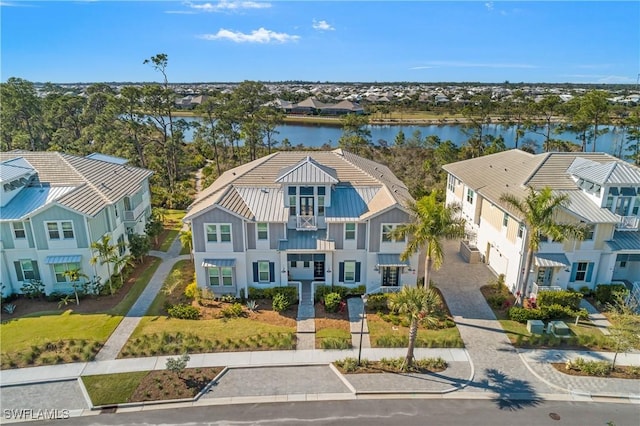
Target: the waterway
(316, 135)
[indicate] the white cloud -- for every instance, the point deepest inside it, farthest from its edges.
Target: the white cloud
(322, 25)
(422, 68)
(14, 4)
(489, 5)
(261, 35)
(228, 5)
(601, 78)
(462, 64)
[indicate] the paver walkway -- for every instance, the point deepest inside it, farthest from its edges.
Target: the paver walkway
(306, 323)
(119, 337)
(498, 367)
(596, 317)
(357, 323)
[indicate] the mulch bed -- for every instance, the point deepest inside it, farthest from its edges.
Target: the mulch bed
(620, 372)
(264, 312)
(88, 305)
(373, 367)
(163, 385)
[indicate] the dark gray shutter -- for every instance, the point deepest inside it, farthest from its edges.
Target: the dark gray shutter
(18, 271)
(255, 272)
(36, 271)
(272, 272)
(357, 272)
(341, 272)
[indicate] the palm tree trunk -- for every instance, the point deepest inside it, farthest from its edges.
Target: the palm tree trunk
(527, 270)
(413, 333)
(427, 271)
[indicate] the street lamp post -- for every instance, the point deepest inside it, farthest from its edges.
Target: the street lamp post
(364, 315)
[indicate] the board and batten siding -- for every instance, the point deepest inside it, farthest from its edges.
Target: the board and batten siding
(492, 215)
(251, 236)
(217, 216)
(336, 233)
(393, 216)
(276, 233)
(57, 214)
(361, 236)
(98, 225)
(6, 233)
(603, 233)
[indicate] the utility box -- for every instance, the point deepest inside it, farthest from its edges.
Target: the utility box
(535, 326)
(559, 328)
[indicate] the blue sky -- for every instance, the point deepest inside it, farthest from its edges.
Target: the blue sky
(382, 41)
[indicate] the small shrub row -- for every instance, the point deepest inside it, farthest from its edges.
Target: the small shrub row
(564, 298)
(378, 302)
(605, 292)
(394, 341)
(592, 368)
(350, 364)
(269, 293)
(437, 364)
(544, 313)
(332, 302)
(496, 301)
(335, 343)
(183, 311)
(343, 291)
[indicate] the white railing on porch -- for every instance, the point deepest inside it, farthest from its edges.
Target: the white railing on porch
(306, 223)
(627, 223)
(133, 215)
(299, 285)
(539, 287)
(386, 289)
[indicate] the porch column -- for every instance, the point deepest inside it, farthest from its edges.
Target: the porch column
(284, 269)
(328, 265)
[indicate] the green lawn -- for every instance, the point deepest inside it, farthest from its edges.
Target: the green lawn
(172, 225)
(112, 388)
(333, 338)
(385, 334)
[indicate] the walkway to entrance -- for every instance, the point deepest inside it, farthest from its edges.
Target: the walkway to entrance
(306, 323)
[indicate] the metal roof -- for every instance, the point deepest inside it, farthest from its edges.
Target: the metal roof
(348, 203)
(56, 260)
(625, 240)
(31, 199)
(307, 171)
(582, 206)
(107, 158)
(266, 203)
(614, 172)
(15, 168)
(551, 260)
(304, 240)
(391, 259)
(218, 263)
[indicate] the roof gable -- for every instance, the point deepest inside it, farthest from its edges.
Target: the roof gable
(307, 171)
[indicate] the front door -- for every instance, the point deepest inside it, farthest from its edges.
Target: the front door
(544, 276)
(306, 206)
(390, 276)
(318, 271)
(622, 207)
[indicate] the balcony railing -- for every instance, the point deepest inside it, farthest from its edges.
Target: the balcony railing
(627, 223)
(539, 287)
(133, 215)
(306, 223)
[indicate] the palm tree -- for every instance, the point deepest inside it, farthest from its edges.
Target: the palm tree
(538, 213)
(119, 263)
(432, 221)
(74, 275)
(107, 252)
(186, 240)
(418, 305)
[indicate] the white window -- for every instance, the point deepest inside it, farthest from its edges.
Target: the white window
(223, 275)
(505, 220)
(581, 271)
(60, 271)
(451, 184)
(263, 231)
(219, 233)
(591, 229)
(292, 200)
(350, 231)
(520, 231)
(263, 272)
(387, 233)
(349, 271)
(470, 195)
(28, 271)
(321, 194)
(60, 230)
(18, 231)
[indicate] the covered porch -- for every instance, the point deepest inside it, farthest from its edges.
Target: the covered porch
(547, 267)
(390, 268)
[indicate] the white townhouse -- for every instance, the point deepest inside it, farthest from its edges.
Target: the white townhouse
(53, 206)
(604, 194)
(321, 216)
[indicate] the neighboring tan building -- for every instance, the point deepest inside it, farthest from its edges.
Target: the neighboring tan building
(322, 216)
(604, 193)
(53, 206)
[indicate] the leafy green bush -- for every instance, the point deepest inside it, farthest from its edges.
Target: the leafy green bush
(605, 292)
(496, 300)
(269, 293)
(563, 298)
(32, 289)
(183, 311)
(350, 364)
(378, 302)
(192, 291)
(592, 368)
(523, 314)
(555, 311)
(431, 363)
(332, 302)
(281, 302)
(231, 311)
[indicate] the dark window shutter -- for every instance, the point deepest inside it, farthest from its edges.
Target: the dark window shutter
(18, 271)
(272, 274)
(255, 272)
(357, 272)
(36, 271)
(589, 272)
(341, 272)
(574, 271)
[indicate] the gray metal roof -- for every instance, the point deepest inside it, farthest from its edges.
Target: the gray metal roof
(266, 203)
(304, 240)
(614, 172)
(15, 168)
(625, 240)
(307, 171)
(56, 260)
(107, 158)
(550, 260)
(348, 203)
(31, 199)
(391, 259)
(218, 263)
(581, 205)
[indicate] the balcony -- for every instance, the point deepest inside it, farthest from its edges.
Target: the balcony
(306, 223)
(133, 215)
(627, 223)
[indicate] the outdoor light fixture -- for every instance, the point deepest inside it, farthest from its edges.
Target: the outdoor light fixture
(328, 270)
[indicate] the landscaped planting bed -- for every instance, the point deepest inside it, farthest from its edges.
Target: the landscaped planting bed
(390, 365)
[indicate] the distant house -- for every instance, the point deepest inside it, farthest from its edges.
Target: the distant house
(54, 206)
(321, 216)
(312, 106)
(604, 194)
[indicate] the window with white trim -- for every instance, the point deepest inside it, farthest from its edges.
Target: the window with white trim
(451, 183)
(349, 271)
(221, 276)
(581, 271)
(321, 194)
(19, 232)
(61, 271)
(218, 233)
(591, 229)
(505, 220)
(293, 191)
(263, 272)
(263, 231)
(28, 271)
(520, 231)
(60, 230)
(470, 195)
(387, 233)
(350, 231)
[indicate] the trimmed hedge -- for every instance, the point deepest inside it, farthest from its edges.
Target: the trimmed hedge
(378, 302)
(545, 313)
(269, 293)
(343, 291)
(565, 298)
(183, 311)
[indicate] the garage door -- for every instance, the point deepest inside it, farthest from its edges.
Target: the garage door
(498, 262)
